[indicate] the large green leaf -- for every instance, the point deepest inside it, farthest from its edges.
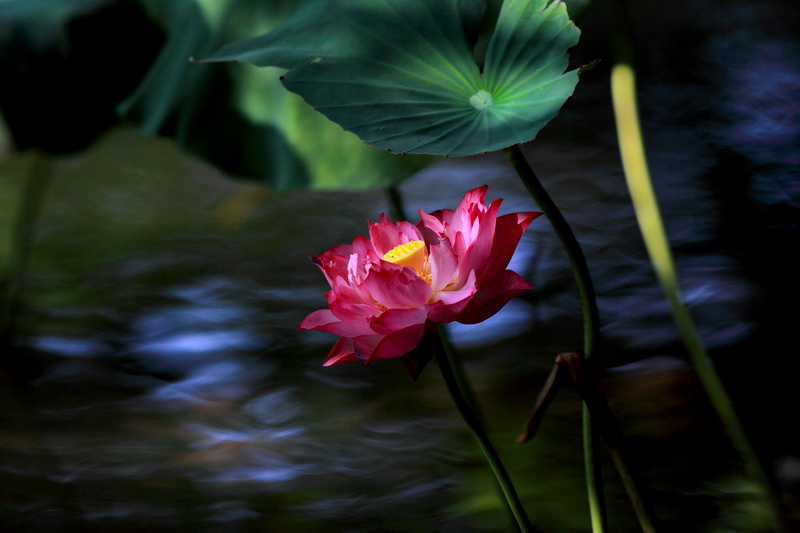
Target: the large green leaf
(401, 74)
(242, 119)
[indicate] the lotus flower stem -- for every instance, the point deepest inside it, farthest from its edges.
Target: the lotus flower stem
(637, 175)
(458, 372)
(591, 321)
(473, 422)
(580, 269)
(595, 401)
(594, 476)
(591, 327)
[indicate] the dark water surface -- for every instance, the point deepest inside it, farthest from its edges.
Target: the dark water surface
(156, 381)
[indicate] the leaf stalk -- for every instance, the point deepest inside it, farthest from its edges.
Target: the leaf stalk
(591, 322)
(634, 161)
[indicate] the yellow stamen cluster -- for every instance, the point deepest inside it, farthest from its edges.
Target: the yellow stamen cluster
(411, 254)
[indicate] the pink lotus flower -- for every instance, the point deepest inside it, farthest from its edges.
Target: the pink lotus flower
(386, 291)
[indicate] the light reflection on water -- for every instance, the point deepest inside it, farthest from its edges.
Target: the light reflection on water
(199, 407)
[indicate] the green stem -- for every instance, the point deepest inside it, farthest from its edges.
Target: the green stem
(506, 486)
(591, 321)
(634, 162)
(594, 485)
(580, 269)
(648, 214)
(595, 401)
(458, 372)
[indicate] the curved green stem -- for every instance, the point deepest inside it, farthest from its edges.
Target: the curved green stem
(648, 215)
(591, 320)
(634, 162)
(591, 327)
(580, 269)
(470, 417)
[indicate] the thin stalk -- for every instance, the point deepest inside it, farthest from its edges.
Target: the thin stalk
(558, 375)
(630, 479)
(506, 486)
(634, 162)
(591, 321)
(458, 372)
(595, 400)
(546, 395)
(580, 269)
(594, 485)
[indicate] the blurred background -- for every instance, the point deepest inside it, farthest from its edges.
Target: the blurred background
(156, 219)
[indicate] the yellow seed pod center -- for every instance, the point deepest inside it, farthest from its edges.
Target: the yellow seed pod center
(411, 254)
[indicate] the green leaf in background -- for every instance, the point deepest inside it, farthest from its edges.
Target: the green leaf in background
(173, 82)
(242, 119)
(401, 73)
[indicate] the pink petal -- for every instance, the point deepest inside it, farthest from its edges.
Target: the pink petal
(469, 208)
(398, 288)
(481, 246)
(342, 352)
(449, 305)
(343, 328)
(355, 269)
(444, 265)
(316, 319)
(347, 328)
(524, 219)
(385, 235)
(430, 236)
(463, 254)
(333, 262)
(396, 319)
(431, 223)
(363, 248)
(348, 302)
(364, 345)
(474, 196)
(409, 231)
(348, 310)
(457, 295)
(493, 296)
(399, 343)
(445, 216)
(509, 230)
